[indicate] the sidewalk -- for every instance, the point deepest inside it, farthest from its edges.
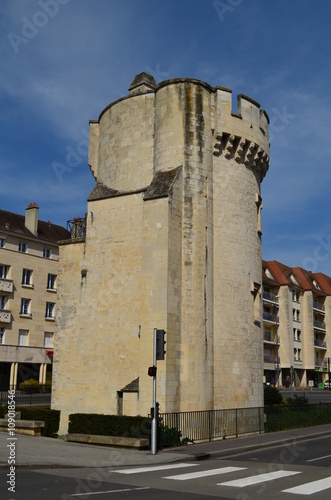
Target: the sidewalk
(43, 452)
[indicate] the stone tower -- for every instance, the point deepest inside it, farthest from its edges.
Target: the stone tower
(172, 241)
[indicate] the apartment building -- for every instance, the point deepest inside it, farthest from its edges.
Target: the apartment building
(28, 283)
(296, 326)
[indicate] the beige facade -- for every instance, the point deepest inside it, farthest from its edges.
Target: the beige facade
(172, 240)
(297, 319)
(28, 288)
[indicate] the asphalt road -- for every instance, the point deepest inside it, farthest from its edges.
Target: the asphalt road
(292, 471)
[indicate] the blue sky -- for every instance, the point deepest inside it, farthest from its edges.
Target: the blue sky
(63, 61)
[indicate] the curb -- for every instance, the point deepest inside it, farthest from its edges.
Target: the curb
(260, 446)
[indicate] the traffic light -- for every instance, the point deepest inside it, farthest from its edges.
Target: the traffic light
(152, 371)
(160, 343)
(157, 411)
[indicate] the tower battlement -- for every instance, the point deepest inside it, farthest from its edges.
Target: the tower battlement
(157, 126)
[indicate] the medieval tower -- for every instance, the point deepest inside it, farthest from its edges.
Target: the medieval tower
(171, 240)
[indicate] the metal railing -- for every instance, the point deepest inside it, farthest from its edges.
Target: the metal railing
(77, 227)
(319, 343)
(270, 317)
(25, 399)
(270, 296)
(215, 424)
(268, 337)
(318, 306)
(321, 363)
(271, 358)
(319, 324)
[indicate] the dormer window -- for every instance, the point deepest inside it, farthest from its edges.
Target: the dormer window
(292, 278)
(316, 285)
(268, 274)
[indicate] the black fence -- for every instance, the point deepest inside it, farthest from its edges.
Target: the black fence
(211, 424)
(23, 398)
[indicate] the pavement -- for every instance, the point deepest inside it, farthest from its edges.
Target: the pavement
(42, 452)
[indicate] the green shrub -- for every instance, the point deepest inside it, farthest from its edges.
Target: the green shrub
(272, 396)
(298, 400)
(168, 437)
(294, 416)
(32, 386)
(50, 417)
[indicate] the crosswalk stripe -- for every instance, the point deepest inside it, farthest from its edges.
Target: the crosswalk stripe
(310, 488)
(205, 473)
(260, 478)
(137, 470)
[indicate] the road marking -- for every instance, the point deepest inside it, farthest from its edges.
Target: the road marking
(205, 473)
(153, 468)
(319, 458)
(311, 488)
(260, 478)
(109, 491)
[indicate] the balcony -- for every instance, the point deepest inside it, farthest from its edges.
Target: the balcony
(6, 285)
(320, 344)
(271, 318)
(77, 228)
(271, 358)
(319, 325)
(5, 316)
(318, 306)
(271, 339)
(270, 297)
(321, 364)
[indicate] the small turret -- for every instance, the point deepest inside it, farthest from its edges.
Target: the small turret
(142, 83)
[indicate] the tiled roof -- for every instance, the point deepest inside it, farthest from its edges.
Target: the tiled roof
(306, 280)
(10, 221)
(325, 282)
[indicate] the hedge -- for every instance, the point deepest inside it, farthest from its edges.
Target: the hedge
(296, 416)
(109, 425)
(50, 417)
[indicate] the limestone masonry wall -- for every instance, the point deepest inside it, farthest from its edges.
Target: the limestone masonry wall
(173, 241)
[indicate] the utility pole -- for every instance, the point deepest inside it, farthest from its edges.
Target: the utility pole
(277, 352)
(158, 353)
(154, 421)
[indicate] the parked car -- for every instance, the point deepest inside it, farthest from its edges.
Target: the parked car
(327, 384)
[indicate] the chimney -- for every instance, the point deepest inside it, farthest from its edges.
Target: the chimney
(31, 218)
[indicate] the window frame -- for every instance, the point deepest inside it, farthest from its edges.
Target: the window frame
(27, 273)
(4, 271)
(47, 253)
(25, 309)
(51, 280)
(50, 337)
(3, 302)
(50, 310)
(23, 334)
(22, 247)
